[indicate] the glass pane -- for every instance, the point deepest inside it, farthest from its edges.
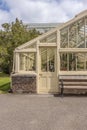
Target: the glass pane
(50, 39)
(80, 32)
(47, 59)
(22, 61)
(80, 61)
(64, 38)
(51, 59)
(86, 31)
(30, 62)
(27, 61)
(43, 59)
(72, 35)
(33, 45)
(72, 61)
(63, 61)
(86, 61)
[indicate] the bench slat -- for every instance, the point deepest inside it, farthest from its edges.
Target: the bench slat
(73, 83)
(73, 80)
(73, 77)
(75, 87)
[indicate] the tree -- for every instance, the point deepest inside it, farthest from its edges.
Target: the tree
(11, 36)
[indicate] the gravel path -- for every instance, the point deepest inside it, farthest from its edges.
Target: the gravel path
(42, 112)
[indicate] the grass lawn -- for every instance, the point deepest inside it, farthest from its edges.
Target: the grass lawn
(4, 83)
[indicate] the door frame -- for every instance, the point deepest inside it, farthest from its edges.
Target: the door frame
(38, 65)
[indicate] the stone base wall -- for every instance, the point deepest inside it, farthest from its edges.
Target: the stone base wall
(23, 83)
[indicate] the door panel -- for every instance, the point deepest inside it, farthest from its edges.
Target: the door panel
(51, 82)
(48, 71)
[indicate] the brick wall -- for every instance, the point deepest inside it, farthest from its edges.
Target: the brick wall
(23, 83)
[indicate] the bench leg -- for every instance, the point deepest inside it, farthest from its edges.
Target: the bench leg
(62, 91)
(62, 88)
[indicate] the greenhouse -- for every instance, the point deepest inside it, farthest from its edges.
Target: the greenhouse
(60, 51)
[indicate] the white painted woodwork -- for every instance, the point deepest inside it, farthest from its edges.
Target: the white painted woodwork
(16, 62)
(48, 82)
(26, 50)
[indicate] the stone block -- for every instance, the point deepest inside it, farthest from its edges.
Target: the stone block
(23, 83)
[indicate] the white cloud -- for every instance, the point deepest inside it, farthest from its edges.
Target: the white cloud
(72, 7)
(4, 16)
(42, 10)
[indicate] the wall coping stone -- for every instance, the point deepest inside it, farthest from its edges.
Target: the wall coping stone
(23, 75)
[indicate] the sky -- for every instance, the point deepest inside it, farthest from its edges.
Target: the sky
(40, 11)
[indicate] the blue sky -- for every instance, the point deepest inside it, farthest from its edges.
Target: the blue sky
(40, 10)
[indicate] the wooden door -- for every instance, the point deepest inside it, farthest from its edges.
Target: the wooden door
(48, 71)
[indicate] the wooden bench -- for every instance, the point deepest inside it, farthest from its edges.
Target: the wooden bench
(72, 82)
